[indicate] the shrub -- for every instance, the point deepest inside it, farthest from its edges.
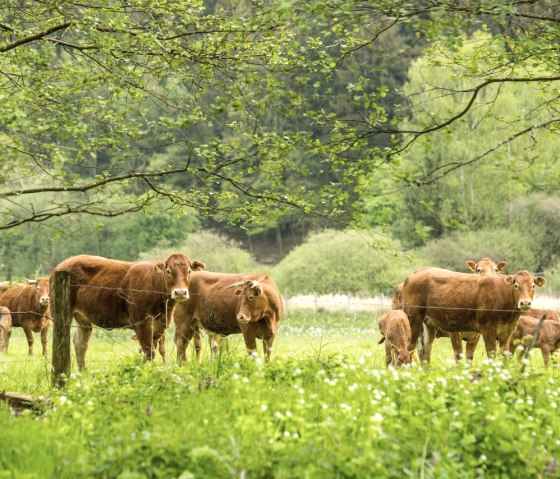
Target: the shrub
(343, 262)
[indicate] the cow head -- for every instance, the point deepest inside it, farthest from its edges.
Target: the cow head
(41, 285)
(400, 357)
(487, 266)
(523, 284)
(253, 304)
(176, 270)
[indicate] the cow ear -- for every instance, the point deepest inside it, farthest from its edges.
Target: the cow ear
(159, 267)
(508, 280)
(471, 265)
(540, 280)
(394, 349)
(502, 267)
(197, 265)
(258, 290)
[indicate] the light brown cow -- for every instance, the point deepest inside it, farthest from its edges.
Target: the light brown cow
(5, 328)
(549, 314)
(548, 340)
(484, 266)
(29, 307)
(226, 304)
(461, 302)
(395, 331)
(119, 294)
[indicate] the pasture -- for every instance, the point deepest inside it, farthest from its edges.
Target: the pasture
(324, 407)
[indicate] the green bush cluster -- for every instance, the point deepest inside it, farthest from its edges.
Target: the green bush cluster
(343, 262)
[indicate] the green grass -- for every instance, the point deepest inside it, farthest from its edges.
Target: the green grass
(325, 407)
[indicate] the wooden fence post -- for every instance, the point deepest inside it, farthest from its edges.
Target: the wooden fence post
(62, 319)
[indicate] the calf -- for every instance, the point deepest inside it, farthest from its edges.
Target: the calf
(118, 294)
(395, 331)
(28, 304)
(5, 328)
(548, 340)
(550, 314)
(225, 304)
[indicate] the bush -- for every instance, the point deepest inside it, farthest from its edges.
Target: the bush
(217, 252)
(343, 262)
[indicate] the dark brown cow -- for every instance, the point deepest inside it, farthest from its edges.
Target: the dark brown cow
(461, 302)
(548, 340)
(395, 331)
(5, 328)
(119, 294)
(226, 304)
(549, 314)
(29, 307)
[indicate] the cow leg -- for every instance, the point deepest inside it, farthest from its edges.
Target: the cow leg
(8, 336)
(545, 350)
(505, 347)
(162, 348)
(44, 339)
(182, 338)
(250, 337)
(471, 347)
(428, 340)
(81, 341)
(490, 343)
(457, 344)
(214, 340)
(145, 334)
(267, 348)
(29, 335)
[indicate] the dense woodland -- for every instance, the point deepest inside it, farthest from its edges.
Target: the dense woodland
(427, 128)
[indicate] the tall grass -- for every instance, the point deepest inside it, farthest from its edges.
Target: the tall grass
(325, 406)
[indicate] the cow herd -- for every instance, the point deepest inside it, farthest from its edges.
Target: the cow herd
(147, 296)
(435, 302)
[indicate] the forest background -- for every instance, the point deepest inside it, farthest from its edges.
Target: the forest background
(337, 145)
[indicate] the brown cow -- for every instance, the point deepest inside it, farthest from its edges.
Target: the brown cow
(5, 328)
(29, 307)
(395, 331)
(226, 304)
(548, 340)
(119, 294)
(458, 302)
(548, 314)
(484, 266)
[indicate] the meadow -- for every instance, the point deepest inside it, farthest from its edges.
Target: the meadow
(325, 407)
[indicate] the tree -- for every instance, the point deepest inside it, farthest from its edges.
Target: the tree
(90, 93)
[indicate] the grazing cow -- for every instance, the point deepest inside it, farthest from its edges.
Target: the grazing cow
(395, 331)
(548, 340)
(119, 294)
(29, 307)
(225, 304)
(5, 328)
(458, 302)
(548, 314)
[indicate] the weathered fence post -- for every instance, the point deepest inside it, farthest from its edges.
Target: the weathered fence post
(62, 319)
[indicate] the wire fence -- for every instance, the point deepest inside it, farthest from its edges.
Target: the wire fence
(310, 303)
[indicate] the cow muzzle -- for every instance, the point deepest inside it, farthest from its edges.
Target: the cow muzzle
(524, 304)
(241, 318)
(44, 300)
(180, 294)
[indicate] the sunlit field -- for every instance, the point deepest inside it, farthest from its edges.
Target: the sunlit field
(326, 406)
